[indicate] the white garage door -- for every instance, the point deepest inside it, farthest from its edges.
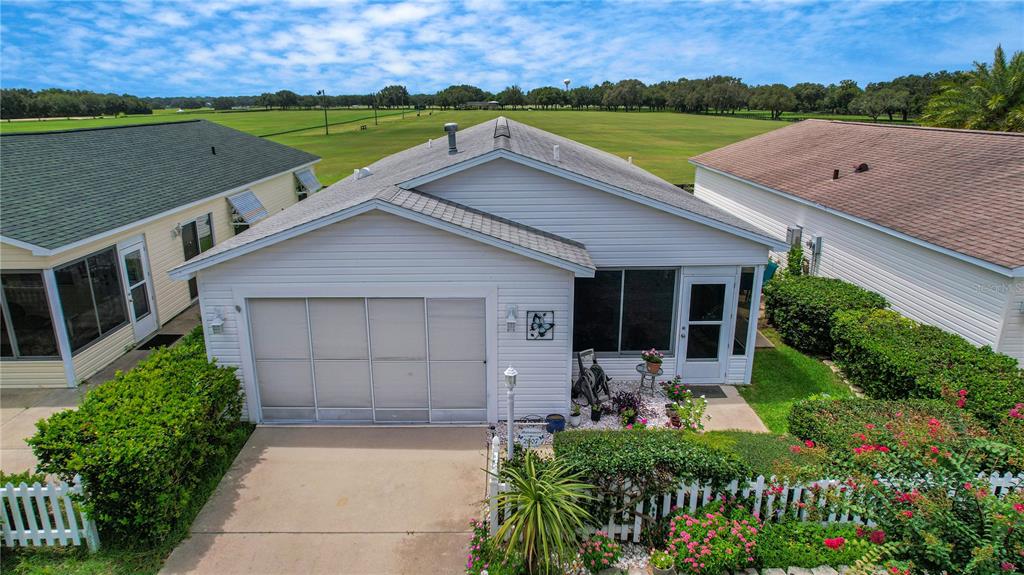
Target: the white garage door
(411, 360)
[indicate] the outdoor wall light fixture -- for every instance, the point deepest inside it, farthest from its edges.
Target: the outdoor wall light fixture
(176, 231)
(511, 315)
(216, 322)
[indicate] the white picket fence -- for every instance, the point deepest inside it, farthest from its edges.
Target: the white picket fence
(770, 501)
(37, 515)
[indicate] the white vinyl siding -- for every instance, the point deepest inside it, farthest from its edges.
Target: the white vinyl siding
(617, 232)
(374, 251)
(920, 283)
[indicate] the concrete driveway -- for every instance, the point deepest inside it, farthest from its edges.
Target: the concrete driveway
(342, 500)
(20, 409)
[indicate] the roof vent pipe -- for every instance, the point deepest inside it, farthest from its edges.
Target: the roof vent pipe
(557, 157)
(630, 159)
(835, 174)
(451, 128)
(213, 150)
(430, 141)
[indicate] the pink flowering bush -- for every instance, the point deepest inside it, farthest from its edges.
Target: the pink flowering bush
(599, 552)
(485, 555)
(715, 539)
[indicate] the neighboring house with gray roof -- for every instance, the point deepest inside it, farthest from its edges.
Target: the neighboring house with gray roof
(931, 218)
(91, 221)
(404, 291)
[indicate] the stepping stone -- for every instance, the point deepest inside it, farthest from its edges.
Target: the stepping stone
(773, 571)
(824, 570)
(799, 571)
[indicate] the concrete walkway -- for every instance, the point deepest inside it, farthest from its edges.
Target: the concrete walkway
(341, 500)
(731, 412)
(20, 409)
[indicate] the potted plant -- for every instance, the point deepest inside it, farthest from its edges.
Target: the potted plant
(574, 416)
(555, 422)
(653, 358)
(663, 563)
(595, 412)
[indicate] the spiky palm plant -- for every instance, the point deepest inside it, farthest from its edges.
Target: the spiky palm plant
(991, 98)
(547, 516)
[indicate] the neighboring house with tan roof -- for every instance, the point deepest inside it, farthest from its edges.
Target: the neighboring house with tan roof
(404, 291)
(91, 221)
(931, 218)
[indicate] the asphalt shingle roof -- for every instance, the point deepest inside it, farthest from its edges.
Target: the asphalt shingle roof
(387, 175)
(959, 189)
(57, 188)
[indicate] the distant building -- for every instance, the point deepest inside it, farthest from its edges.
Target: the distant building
(492, 105)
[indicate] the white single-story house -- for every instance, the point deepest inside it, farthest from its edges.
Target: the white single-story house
(91, 221)
(933, 219)
(404, 291)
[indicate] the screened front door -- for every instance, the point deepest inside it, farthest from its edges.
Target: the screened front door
(383, 360)
(704, 329)
(139, 287)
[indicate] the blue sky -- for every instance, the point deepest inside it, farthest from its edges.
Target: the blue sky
(226, 47)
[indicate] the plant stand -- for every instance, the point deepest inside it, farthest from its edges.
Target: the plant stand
(648, 380)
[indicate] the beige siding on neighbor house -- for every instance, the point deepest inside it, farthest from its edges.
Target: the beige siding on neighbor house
(377, 251)
(920, 283)
(32, 373)
(1013, 321)
(165, 252)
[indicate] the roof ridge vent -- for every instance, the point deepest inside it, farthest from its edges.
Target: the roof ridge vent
(554, 150)
(501, 128)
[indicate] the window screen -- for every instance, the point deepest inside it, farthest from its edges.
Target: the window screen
(28, 331)
(625, 311)
(743, 303)
(307, 181)
(92, 297)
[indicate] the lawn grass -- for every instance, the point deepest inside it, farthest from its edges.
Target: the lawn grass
(766, 454)
(783, 375)
(113, 559)
(660, 142)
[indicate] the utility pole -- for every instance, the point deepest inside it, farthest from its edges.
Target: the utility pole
(375, 98)
(323, 104)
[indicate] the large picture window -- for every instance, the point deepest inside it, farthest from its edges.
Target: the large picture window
(625, 311)
(196, 238)
(26, 327)
(92, 297)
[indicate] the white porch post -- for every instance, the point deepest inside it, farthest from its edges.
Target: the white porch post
(59, 327)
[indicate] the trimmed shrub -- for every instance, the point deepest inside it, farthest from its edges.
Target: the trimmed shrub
(892, 357)
(801, 309)
(149, 442)
(795, 544)
(650, 461)
(834, 423)
(634, 454)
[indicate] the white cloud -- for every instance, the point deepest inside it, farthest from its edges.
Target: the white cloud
(213, 47)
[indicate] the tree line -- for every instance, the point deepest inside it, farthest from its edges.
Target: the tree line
(57, 103)
(987, 97)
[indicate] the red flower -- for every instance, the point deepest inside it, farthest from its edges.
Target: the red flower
(877, 537)
(835, 543)
(809, 443)
(908, 514)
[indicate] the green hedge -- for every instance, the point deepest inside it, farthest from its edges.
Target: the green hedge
(831, 423)
(892, 357)
(801, 308)
(642, 453)
(766, 454)
(147, 442)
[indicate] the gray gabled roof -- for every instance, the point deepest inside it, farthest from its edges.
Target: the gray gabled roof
(57, 188)
(392, 180)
